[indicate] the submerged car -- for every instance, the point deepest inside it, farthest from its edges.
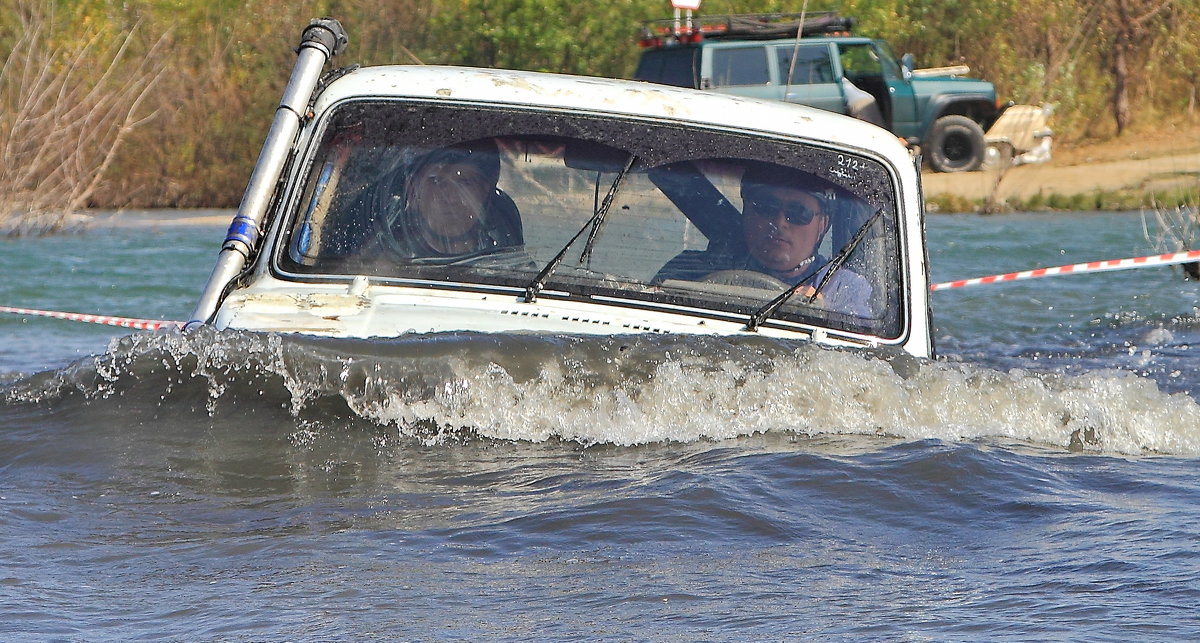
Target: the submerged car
(428, 199)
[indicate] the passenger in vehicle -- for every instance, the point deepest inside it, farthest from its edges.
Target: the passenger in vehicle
(448, 205)
(860, 104)
(786, 214)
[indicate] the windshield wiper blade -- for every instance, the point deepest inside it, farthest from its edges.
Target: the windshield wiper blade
(833, 266)
(539, 282)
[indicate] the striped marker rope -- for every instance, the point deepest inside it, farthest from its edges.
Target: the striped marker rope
(1076, 268)
(1091, 266)
(123, 322)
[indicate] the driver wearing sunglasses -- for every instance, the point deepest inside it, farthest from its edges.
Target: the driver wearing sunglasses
(782, 227)
(786, 214)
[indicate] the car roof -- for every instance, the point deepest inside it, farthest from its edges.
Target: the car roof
(618, 97)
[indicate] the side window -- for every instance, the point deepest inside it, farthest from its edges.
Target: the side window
(812, 64)
(887, 59)
(740, 66)
(678, 67)
(860, 61)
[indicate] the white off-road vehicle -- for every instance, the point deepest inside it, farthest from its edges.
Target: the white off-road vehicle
(394, 199)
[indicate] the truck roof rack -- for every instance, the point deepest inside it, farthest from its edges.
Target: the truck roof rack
(746, 26)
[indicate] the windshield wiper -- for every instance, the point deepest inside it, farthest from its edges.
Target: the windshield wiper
(539, 282)
(834, 264)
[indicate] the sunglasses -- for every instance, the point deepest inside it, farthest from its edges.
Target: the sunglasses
(762, 204)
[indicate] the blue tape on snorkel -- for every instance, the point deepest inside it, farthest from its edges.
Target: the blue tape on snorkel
(243, 230)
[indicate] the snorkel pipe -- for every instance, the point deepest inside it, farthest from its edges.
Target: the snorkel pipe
(321, 40)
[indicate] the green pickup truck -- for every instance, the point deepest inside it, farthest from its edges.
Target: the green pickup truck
(759, 55)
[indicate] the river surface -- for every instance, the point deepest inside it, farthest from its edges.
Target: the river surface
(1039, 481)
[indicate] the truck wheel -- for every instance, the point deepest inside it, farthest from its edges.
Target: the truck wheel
(955, 144)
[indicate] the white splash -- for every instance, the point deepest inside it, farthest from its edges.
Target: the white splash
(636, 390)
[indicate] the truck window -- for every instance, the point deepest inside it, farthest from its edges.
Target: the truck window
(678, 66)
(889, 61)
(860, 61)
(812, 64)
(740, 66)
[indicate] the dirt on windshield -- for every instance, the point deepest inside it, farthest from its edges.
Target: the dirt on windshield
(1165, 159)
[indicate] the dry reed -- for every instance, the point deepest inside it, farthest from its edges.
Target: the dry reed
(64, 113)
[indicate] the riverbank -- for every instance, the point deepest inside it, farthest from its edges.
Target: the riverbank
(1135, 171)
(157, 218)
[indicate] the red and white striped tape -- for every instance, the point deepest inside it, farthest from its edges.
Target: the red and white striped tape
(1075, 268)
(123, 322)
(1091, 266)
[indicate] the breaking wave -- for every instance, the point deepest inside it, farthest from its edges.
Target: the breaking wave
(622, 390)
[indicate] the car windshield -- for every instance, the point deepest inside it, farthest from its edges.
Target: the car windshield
(634, 212)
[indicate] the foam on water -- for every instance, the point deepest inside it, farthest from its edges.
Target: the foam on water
(624, 390)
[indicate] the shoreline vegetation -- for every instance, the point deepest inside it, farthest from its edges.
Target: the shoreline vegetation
(180, 94)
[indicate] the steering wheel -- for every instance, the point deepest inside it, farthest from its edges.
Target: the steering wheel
(745, 279)
(378, 212)
(386, 226)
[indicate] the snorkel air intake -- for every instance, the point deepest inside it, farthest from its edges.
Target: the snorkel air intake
(321, 40)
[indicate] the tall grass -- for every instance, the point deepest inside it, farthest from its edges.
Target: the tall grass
(229, 62)
(64, 112)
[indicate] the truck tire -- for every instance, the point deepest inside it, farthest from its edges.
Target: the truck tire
(955, 144)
